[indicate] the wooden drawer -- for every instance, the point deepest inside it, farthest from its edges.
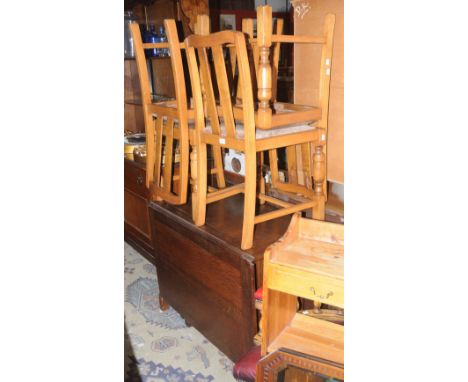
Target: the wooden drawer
(134, 178)
(306, 284)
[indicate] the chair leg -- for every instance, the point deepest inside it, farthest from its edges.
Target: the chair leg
(184, 161)
(273, 155)
(318, 212)
(306, 165)
(218, 161)
(292, 164)
(260, 172)
(199, 197)
(193, 179)
(250, 191)
(157, 161)
(150, 148)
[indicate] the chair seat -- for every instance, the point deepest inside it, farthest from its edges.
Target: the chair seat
(263, 134)
(246, 367)
(259, 294)
(259, 133)
(191, 122)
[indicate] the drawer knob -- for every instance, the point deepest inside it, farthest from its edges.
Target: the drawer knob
(328, 295)
(139, 179)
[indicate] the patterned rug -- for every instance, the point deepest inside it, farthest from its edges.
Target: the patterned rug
(159, 347)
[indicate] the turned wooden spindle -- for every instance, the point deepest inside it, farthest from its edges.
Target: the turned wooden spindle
(318, 212)
(264, 33)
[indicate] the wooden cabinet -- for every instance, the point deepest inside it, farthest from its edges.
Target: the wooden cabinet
(307, 262)
(137, 230)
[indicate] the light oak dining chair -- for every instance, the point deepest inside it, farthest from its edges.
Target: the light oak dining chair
(170, 123)
(242, 128)
(248, 29)
(294, 164)
(270, 112)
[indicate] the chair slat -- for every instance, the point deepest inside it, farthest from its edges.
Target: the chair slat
(210, 99)
(298, 39)
(224, 91)
(224, 37)
(158, 149)
(278, 28)
(168, 160)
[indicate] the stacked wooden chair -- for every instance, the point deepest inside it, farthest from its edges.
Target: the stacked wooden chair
(253, 129)
(290, 151)
(171, 121)
(248, 29)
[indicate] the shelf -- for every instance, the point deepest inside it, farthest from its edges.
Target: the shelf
(310, 335)
(313, 256)
(315, 247)
(133, 102)
(308, 262)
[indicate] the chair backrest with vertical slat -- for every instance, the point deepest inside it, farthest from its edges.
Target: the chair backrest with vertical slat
(175, 48)
(211, 52)
(141, 64)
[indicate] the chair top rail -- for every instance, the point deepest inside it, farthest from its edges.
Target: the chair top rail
(153, 45)
(301, 39)
(294, 39)
(218, 38)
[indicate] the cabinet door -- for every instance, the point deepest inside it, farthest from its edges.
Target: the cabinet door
(136, 214)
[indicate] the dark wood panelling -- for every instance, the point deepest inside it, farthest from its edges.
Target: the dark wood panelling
(135, 212)
(137, 229)
(134, 238)
(201, 263)
(134, 178)
(204, 274)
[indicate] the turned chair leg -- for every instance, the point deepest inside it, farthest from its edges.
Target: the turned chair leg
(318, 212)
